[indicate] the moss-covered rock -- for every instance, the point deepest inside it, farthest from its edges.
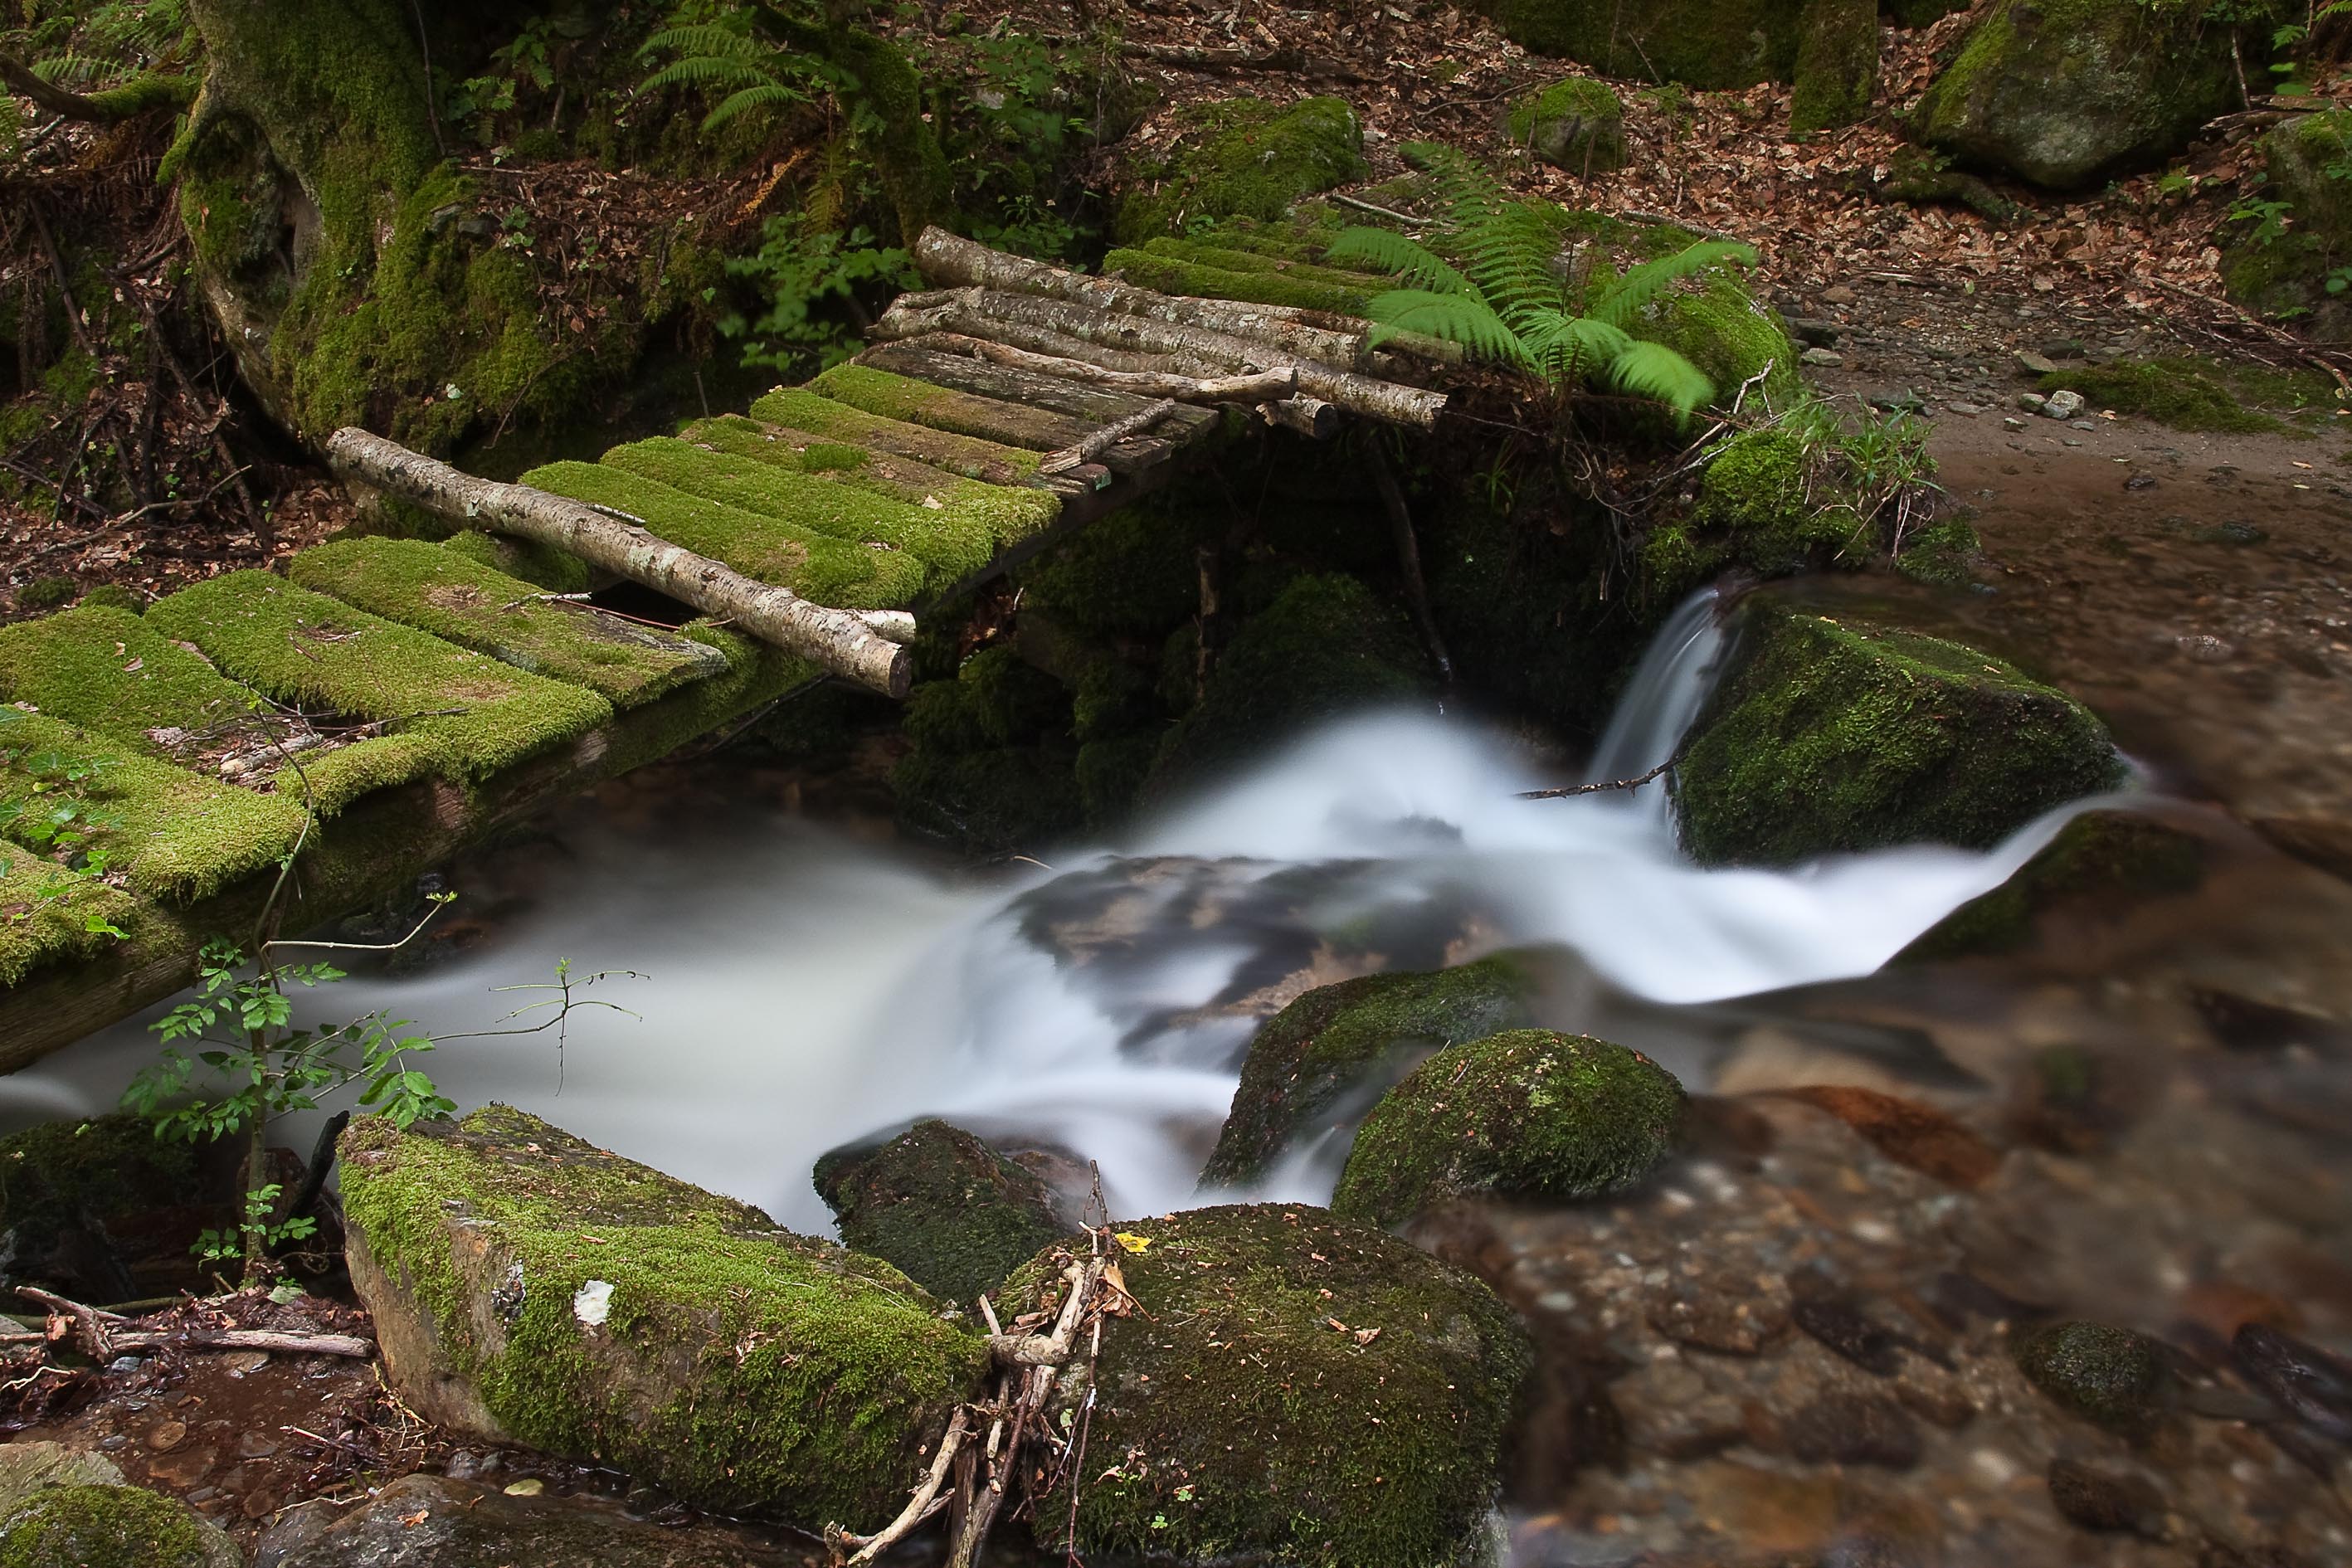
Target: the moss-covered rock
(1526, 1114)
(2068, 92)
(1576, 125)
(1758, 493)
(1700, 43)
(1302, 1391)
(1323, 647)
(1720, 326)
(2110, 859)
(110, 1527)
(1828, 735)
(992, 762)
(1321, 1059)
(950, 1211)
(530, 1287)
(101, 1209)
(2304, 164)
(1837, 65)
(2111, 1375)
(1240, 158)
(2176, 392)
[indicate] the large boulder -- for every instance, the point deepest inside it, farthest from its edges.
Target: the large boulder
(1827, 735)
(2288, 267)
(1837, 65)
(936, 1201)
(110, 1527)
(1294, 1390)
(1241, 158)
(2068, 92)
(1319, 1063)
(2101, 863)
(528, 1287)
(1700, 43)
(1527, 1114)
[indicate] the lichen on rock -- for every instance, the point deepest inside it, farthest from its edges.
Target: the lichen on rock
(1296, 1390)
(1529, 1113)
(953, 1213)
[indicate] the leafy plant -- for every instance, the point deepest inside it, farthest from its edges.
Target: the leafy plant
(1496, 292)
(55, 814)
(812, 278)
(257, 1229)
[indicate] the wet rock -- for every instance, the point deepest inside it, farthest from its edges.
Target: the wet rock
(2108, 1374)
(2242, 1023)
(1906, 1131)
(1529, 1114)
(110, 1527)
(1719, 1310)
(2106, 1499)
(427, 1521)
(530, 1289)
(1321, 1061)
(1576, 125)
(1822, 359)
(2315, 1387)
(1827, 734)
(2100, 862)
(2067, 92)
(1853, 1429)
(26, 1466)
(1302, 1390)
(2028, 362)
(1843, 1329)
(953, 1213)
(2072, 1100)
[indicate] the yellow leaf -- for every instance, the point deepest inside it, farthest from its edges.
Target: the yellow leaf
(1131, 1242)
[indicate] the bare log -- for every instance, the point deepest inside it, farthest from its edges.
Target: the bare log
(899, 626)
(1252, 386)
(1054, 1348)
(1109, 435)
(1006, 384)
(839, 640)
(1309, 416)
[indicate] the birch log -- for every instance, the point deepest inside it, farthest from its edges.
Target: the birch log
(1254, 386)
(841, 641)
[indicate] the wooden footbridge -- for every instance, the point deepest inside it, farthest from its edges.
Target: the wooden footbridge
(345, 727)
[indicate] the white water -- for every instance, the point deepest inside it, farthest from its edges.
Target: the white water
(804, 989)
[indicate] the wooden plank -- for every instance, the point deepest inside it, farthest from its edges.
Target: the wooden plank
(895, 396)
(1032, 388)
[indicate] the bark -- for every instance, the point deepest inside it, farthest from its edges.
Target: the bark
(1256, 386)
(157, 91)
(1028, 388)
(839, 640)
(1109, 435)
(1309, 416)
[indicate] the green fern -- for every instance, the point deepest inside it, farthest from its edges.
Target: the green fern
(1496, 289)
(714, 59)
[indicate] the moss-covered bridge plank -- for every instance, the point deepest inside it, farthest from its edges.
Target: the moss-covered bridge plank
(1011, 383)
(990, 461)
(943, 408)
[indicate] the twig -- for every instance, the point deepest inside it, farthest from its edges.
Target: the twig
(1362, 206)
(1054, 1348)
(1109, 435)
(919, 1508)
(1567, 790)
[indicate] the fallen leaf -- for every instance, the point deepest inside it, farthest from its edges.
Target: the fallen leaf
(1335, 1323)
(1131, 1242)
(1366, 1336)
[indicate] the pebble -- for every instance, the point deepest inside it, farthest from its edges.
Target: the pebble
(2063, 405)
(2203, 648)
(2086, 425)
(529, 1486)
(1966, 410)
(1823, 359)
(1854, 1429)
(2032, 402)
(2104, 1501)
(2010, 422)
(1839, 294)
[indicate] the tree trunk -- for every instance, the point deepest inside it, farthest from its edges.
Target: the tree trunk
(840, 640)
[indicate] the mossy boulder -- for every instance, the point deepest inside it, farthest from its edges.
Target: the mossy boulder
(1837, 65)
(1301, 1391)
(992, 765)
(1757, 493)
(2108, 860)
(2307, 163)
(102, 1210)
(1720, 326)
(2066, 93)
(1711, 44)
(528, 1287)
(1529, 1114)
(1318, 1061)
(2110, 1375)
(1240, 158)
(952, 1212)
(1830, 735)
(1324, 646)
(1576, 125)
(110, 1527)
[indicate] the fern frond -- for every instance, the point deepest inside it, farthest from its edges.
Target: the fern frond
(703, 39)
(1566, 345)
(1654, 370)
(708, 71)
(1415, 263)
(1462, 318)
(1509, 253)
(1621, 301)
(767, 95)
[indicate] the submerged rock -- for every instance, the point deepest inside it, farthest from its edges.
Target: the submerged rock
(1708, 44)
(1527, 1114)
(1294, 1390)
(1320, 1059)
(110, 1527)
(2068, 92)
(952, 1212)
(1576, 125)
(2110, 1375)
(2105, 1500)
(2102, 860)
(528, 1287)
(1827, 736)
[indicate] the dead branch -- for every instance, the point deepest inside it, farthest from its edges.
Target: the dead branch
(920, 1506)
(1309, 416)
(1567, 790)
(1103, 439)
(154, 91)
(1054, 1348)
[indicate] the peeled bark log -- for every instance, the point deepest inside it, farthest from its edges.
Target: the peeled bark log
(840, 640)
(1256, 386)
(1309, 416)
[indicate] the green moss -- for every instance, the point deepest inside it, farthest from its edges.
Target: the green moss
(1112, 697)
(1699, 43)
(911, 402)
(56, 1176)
(2107, 858)
(941, 1204)
(1132, 574)
(815, 566)
(758, 674)
(1238, 1422)
(1575, 124)
(543, 566)
(294, 646)
(2169, 391)
(1287, 261)
(1837, 65)
(1529, 1114)
(1001, 514)
(102, 1527)
(1172, 275)
(1758, 492)
(109, 672)
(741, 1367)
(1729, 333)
(1824, 737)
(1327, 1048)
(115, 596)
(2286, 275)
(1242, 157)
(996, 699)
(48, 593)
(1110, 775)
(1941, 554)
(45, 915)
(441, 591)
(1324, 647)
(2111, 1375)
(802, 409)
(992, 800)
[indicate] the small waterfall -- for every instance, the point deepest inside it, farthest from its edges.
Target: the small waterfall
(1663, 700)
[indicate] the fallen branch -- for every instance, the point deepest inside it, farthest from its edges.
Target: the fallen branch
(840, 640)
(101, 1339)
(1254, 386)
(1567, 790)
(1054, 1348)
(1103, 439)
(1374, 208)
(925, 1502)
(1309, 416)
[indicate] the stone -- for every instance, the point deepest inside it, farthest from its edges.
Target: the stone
(29, 1465)
(737, 1365)
(2032, 401)
(2063, 405)
(1837, 65)
(1529, 1114)
(2109, 1376)
(1828, 734)
(1906, 1131)
(2012, 424)
(1853, 1429)
(2305, 1379)
(1840, 294)
(1717, 1312)
(1965, 410)
(1822, 359)
(2275, 273)
(102, 1526)
(1576, 125)
(1818, 333)
(433, 1522)
(2106, 1499)
(2102, 862)
(1294, 1389)
(1321, 1061)
(953, 1214)
(2028, 362)
(2068, 92)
